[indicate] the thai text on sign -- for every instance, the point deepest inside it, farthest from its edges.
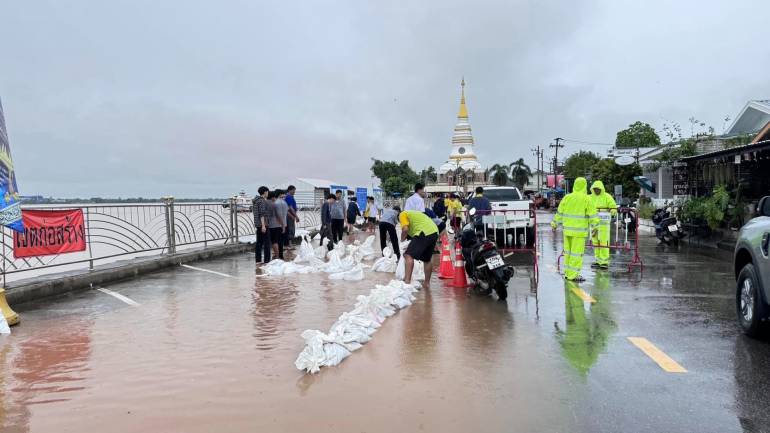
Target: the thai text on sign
(50, 232)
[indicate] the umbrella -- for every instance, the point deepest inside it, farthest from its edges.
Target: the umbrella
(645, 183)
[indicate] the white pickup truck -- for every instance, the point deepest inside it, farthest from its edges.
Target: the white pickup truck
(519, 225)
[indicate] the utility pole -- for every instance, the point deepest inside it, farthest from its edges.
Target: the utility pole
(539, 155)
(556, 154)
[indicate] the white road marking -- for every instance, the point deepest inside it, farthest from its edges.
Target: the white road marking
(116, 295)
(206, 270)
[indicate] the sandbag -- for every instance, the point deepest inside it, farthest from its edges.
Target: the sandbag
(354, 274)
(312, 357)
(306, 255)
(280, 267)
(385, 264)
(366, 249)
(418, 272)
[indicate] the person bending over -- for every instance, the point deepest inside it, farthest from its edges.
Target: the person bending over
(424, 234)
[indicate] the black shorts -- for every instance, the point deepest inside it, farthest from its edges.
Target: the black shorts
(276, 235)
(421, 247)
(371, 220)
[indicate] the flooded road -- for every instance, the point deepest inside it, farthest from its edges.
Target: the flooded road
(208, 352)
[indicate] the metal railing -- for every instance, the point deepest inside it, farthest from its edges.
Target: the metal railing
(136, 230)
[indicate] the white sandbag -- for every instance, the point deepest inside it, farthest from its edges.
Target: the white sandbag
(4, 328)
(387, 251)
(334, 353)
(366, 309)
(306, 255)
(280, 267)
(385, 264)
(312, 357)
(367, 248)
(353, 328)
(334, 265)
(301, 233)
(418, 272)
(354, 274)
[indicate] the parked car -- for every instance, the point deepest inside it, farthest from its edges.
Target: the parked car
(752, 271)
(516, 224)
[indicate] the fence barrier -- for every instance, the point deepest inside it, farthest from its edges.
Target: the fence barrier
(512, 230)
(623, 220)
(136, 230)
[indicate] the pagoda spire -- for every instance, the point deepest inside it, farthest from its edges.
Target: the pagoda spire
(463, 113)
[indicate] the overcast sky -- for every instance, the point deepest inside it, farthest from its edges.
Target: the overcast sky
(199, 99)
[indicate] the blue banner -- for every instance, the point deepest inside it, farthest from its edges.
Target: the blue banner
(10, 207)
(361, 194)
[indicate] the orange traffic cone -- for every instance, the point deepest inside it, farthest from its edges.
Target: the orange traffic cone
(459, 281)
(446, 271)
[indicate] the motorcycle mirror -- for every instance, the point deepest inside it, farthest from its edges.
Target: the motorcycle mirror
(472, 211)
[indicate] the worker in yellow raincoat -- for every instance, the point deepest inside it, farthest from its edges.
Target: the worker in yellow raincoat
(606, 208)
(578, 218)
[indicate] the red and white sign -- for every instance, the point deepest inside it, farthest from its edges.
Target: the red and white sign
(50, 232)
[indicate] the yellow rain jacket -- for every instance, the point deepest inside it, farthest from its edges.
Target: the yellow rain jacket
(577, 213)
(604, 201)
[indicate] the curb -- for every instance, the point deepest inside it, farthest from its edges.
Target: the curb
(35, 288)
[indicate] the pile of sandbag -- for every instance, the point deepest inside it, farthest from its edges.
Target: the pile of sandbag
(280, 267)
(344, 263)
(354, 328)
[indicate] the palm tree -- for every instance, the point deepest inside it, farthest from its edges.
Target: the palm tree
(520, 173)
(499, 174)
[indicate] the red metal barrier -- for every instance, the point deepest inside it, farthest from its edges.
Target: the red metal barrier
(510, 222)
(625, 245)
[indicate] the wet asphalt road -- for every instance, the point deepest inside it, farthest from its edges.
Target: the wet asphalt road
(206, 352)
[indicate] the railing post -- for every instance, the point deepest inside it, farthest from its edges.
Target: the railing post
(88, 240)
(170, 226)
(233, 218)
(205, 242)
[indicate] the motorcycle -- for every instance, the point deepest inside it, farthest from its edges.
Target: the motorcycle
(667, 229)
(483, 263)
(627, 217)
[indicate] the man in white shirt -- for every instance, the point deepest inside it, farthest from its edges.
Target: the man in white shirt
(417, 200)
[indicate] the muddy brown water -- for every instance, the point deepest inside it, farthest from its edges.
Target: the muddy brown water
(206, 353)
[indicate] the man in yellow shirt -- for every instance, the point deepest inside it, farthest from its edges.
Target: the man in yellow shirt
(454, 209)
(424, 235)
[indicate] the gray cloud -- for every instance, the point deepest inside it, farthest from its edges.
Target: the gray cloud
(192, 99)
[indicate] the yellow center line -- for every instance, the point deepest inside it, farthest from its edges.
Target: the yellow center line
(664, 361)
(583, 295)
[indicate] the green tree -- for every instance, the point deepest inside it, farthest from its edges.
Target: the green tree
(395, 178)
(428, 174)
(498, 173)
(520, 173)
(578, 164)
(637, 134)
(612, 174)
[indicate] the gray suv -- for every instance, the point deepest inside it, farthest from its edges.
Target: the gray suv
(752, 271)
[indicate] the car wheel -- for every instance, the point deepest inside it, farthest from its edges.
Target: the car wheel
(747, 301)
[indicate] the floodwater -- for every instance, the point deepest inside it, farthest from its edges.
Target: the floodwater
(203, 352)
